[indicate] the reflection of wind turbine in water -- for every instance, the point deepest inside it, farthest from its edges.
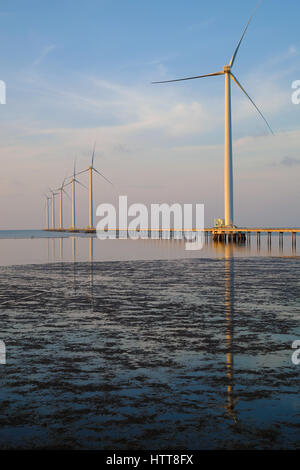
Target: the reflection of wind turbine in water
(61, 249)
(229, 312)
(74, 262)
(228, 172)
(91, 253)
(90, 169)
(53, 249)
(74, 249)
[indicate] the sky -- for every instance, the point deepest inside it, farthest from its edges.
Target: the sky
(78, 72)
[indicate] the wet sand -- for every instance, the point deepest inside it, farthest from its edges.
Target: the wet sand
(180, 354)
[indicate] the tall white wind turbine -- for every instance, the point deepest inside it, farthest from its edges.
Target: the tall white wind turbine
(228, 173)
(90, 169)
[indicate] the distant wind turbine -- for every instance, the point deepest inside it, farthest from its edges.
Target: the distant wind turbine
(73, 182)
(90, 169)
(53, 207)
(228, 173)
(48, 198)
(61, 191)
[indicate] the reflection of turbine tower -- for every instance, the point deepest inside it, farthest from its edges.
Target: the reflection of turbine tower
(229, 313)
(53, 249)
(74, 249)
(74, 263)
(61, 249)
(91, 253)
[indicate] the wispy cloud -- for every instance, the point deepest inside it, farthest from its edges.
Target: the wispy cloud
(5, 13)
(290, 162)
(202, 24)
(44, 54)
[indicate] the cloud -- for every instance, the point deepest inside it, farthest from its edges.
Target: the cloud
(293, 50)
(195, 27)
(166, 114)
(44, 54)
(290, 162)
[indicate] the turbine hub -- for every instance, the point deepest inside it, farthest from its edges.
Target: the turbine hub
(226, 69)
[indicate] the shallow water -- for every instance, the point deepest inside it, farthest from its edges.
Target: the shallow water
(186, 353)
(37, 246)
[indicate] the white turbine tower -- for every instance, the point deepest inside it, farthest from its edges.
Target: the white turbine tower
(47, 210)
(90, 169)
(228, 173)
(73, 182)
(61, 191)
(53, 207)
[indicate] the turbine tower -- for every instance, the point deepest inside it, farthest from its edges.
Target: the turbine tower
(228, 171)
(90, 169)
(73, 182)
(61, 191)
(53, 207)
(47, 210)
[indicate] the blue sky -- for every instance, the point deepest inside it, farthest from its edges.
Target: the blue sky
(79, 71)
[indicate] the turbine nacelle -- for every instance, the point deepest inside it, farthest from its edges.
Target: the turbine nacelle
(226, 69)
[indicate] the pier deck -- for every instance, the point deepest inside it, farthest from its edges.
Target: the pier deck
(211, 230)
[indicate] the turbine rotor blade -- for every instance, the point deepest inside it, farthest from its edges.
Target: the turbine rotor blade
(83, 171)
(93, 155)
(70, 182)
(240, 41)
(76, 181)
(103, 176)
(240, 86)
(191, 78)
(66, 194)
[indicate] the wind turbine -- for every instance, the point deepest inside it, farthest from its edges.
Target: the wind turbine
(228, 173)
(61, 191)
(53, 207)
(90, 169)
(47, 210)
(73, 182)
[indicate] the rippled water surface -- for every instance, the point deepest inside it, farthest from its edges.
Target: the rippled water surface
(184, 353)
